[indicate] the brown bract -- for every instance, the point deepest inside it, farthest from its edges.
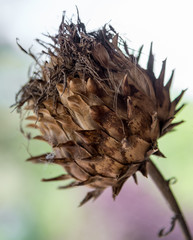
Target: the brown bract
(101, 112)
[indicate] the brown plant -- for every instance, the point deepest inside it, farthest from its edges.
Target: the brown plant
(101, 112)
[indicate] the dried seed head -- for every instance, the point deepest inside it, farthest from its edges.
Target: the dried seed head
(101, 112)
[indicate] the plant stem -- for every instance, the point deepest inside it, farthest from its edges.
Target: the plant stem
(163, 186)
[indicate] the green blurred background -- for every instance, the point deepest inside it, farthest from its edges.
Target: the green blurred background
(31, 209)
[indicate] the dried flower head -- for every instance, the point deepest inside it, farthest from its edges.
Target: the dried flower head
(101, 112)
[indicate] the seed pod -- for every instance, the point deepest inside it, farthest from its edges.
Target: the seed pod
(100, 111)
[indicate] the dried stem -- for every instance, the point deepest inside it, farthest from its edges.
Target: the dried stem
(163, 186)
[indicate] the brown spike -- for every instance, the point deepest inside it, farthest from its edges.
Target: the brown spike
(79, 183)
(168, 85)
(179, 109)
(174, 103)
(171, 126)
(117, 188)
(176, 100)
(123, 178)
(151, 151)
(162, 74)
(150, 60)
(128, 171)
(49, 158)
(143, 169)
(70, 185)
(32, 125)
(31, 118)
(159, 89)
(166, 124)
(39, 137)
(159, 154)
(58, 178)
(139, 54)
(93, 194)
(38, 159)
(135, 178)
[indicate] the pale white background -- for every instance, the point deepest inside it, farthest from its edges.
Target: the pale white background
(167, 23)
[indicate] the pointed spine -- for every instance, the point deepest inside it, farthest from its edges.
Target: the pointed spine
(139, 54)
(150, 60)
(58, 178)
(179, 109)
(162, 74)
(91, 195)
(176, 100)
(169, 83)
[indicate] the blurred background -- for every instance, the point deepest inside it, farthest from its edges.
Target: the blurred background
(31, 209)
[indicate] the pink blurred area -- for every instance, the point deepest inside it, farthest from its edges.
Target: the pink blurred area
(139, 212)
